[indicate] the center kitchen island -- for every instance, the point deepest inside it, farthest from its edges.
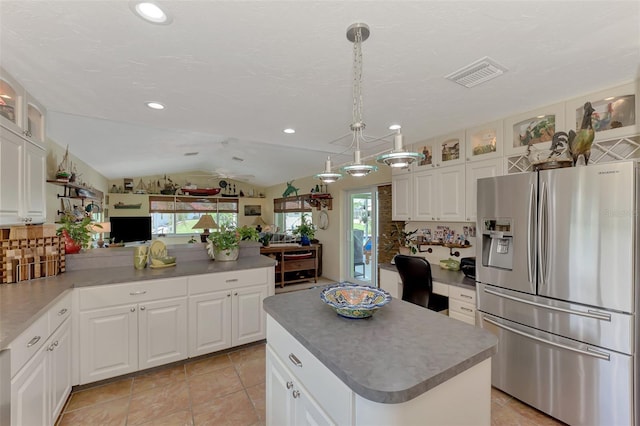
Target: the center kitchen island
(405, 365)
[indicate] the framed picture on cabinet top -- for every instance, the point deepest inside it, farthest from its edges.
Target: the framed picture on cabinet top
(615, 114)
(484, 142)
(451, 149)
(426, 148)
(534, 127)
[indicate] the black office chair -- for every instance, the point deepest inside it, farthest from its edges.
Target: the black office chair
(417, 284)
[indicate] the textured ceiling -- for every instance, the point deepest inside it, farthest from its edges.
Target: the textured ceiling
(233, 74)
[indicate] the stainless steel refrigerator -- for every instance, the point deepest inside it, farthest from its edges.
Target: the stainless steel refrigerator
(558, 279)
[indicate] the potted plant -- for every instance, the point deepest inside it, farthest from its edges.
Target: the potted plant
(248, 233)
(306, 231)
(76, 233)
(266, 239)
(400, 239)
(224, 244)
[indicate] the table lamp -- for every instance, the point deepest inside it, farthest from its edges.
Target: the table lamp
(258, 222)
(205, 222)
(100, 230)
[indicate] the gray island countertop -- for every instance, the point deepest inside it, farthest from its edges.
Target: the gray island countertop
(399, 353)
(22, 303)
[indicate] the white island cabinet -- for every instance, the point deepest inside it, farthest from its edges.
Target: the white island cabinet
(400, 367)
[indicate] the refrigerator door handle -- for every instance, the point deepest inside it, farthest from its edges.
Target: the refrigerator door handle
(589, 352)
(589, 314)
(530, 234)
(542, 234)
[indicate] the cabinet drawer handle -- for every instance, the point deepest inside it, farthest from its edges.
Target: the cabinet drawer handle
(139, 292)
(466, 296)
(233, 280)
(289, 385)
(62, 311)
(466, 309)
(33, 341)
(294, 359)
(296, 393)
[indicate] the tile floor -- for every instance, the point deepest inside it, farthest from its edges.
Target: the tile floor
(226, 389)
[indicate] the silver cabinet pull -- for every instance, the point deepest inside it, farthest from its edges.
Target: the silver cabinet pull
(294, 359)
(33, 341)
(142, 308)
(296, 393)
(466, 296)
(466, 309)
(228, 294)
(55, 343)
(289, 385)
(133, 309)
(62, 311)
(235, 294)
(137, 293)
(50, 348)
(233, 280)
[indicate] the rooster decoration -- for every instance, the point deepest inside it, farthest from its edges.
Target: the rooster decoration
(580, 141)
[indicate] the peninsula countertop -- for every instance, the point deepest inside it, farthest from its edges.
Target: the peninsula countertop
(22, 303)
(399, 353)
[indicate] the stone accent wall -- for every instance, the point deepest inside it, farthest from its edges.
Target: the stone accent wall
(385, 225)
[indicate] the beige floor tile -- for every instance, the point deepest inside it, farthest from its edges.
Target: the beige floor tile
(231, 410)
(204, 387)
(249, 353)
(158, 402)
(98, 394)
(108, 413)
(252, 372)
(207, 365)
(180, 418)
(257, 395)
(158, 378)
(500, 397)
(531, 414)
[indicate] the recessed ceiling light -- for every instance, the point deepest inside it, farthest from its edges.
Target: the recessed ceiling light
(395, 127)
(150, 12)
(155, 105)
(289, 131)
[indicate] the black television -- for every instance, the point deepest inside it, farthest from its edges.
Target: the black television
(130, 228)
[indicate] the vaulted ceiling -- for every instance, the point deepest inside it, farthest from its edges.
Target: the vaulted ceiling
(234, 74)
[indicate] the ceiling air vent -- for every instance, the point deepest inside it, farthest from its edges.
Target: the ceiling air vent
(482, 70)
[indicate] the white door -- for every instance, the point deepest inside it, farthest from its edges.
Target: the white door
(451, 193)
(60, 371)
(209, 322)
(249, 321)
(11, 175)
(474, 171)
(29, 392)
(401, 196)
(279, 388)
(307, 412)
(425, 195)
(109, 343)
(162, 332)
(362, 236)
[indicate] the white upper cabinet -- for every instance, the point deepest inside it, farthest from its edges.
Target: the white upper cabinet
(484, 142)
(19, 111)
(474, 171)
(402, 196)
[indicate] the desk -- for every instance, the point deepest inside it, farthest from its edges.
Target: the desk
(295, 263)
(459, 289)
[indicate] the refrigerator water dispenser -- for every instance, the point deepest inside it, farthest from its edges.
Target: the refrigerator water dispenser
(497, 244)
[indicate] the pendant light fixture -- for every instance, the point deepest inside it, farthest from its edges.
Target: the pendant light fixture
(398, 157)
(357, 34)
(328, 176)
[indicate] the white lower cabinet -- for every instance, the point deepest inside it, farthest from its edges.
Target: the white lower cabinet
(41, 386)
(462, 305)
(147, 327)
(225, 310)
(391, 283)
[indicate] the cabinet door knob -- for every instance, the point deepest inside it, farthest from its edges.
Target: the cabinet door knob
(289, 385)
(142, 308)
(228, 294)
(50, 348)
(133, 309)
(235, 294)
(62, 311)
(295, 393)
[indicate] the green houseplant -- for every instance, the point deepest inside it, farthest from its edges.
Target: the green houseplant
(306, 231)
(224, 244)
(401, 240)
(248, 233)
(77, 234)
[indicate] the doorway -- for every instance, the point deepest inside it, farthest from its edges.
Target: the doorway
(362, 232)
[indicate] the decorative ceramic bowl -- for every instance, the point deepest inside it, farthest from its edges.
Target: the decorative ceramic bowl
(354, 300)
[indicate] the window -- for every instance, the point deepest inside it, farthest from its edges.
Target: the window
(288, 212)
(177, 215)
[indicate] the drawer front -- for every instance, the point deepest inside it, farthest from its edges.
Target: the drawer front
(462, 294)
(227, 280)
(462, 308)
(439, 288)
(59, 312)
(297, 265)
(142, 291)
(28, 343)
(325, 387)
(464, 318)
